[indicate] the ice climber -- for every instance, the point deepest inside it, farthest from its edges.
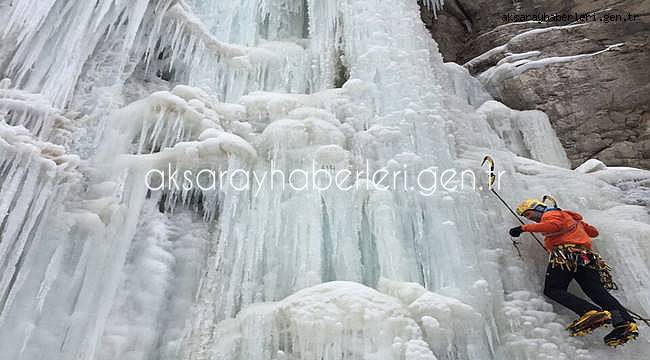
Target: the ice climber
(568, 241)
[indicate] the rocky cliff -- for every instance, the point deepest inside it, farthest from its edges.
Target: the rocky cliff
(586, 64)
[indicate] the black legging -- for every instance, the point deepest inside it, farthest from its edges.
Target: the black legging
(557, 282)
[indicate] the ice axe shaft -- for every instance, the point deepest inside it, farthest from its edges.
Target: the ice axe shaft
(517, 217)
(491, 180)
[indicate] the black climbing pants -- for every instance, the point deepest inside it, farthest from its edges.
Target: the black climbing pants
(557, 282)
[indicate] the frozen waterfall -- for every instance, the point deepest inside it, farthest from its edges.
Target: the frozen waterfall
(101, 99)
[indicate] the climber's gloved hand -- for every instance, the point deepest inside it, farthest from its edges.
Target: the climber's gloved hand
(515, 231)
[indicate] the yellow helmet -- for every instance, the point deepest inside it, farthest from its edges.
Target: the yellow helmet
(529, 204)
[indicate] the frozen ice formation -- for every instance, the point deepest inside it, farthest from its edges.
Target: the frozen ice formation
(523, 132)
(101, 96)
(32, 111)
(337, 319)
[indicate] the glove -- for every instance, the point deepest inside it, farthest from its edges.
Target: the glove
(515, 231)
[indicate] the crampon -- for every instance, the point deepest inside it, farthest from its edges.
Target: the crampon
(622, 334)
(588, 322)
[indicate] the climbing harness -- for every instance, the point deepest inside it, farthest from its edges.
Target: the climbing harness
(569, 257)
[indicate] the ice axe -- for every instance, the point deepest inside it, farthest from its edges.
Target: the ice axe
(492, 178)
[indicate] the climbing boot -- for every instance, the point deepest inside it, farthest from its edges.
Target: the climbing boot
(591, 320)
(622, 334)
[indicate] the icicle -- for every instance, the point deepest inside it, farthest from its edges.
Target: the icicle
(35, 173)
(161, 121)
(200, 56)
(434, 6)
(34, 112)
(49, 42)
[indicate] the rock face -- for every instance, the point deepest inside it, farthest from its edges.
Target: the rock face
(590, 75)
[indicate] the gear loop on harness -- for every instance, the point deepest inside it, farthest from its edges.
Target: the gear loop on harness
(570, 256)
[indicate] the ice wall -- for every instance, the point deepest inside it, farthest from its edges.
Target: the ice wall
(95, 266)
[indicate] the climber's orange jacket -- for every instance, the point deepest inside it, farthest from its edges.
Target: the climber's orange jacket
(561, 227)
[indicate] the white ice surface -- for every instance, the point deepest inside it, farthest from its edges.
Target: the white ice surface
(94, 266)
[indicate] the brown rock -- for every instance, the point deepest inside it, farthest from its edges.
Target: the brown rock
(599, 104)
